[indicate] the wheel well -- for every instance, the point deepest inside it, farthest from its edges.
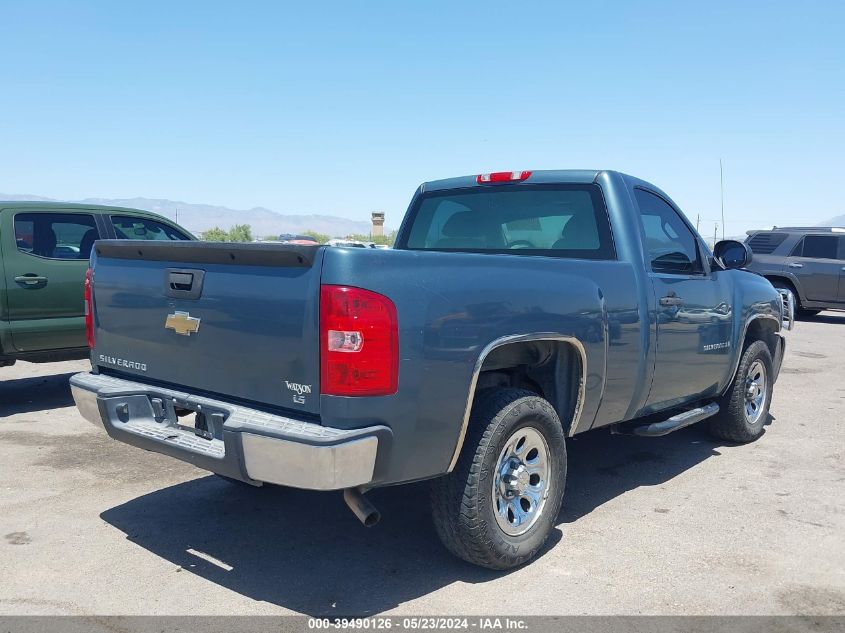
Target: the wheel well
(551, 369)
(762, 330)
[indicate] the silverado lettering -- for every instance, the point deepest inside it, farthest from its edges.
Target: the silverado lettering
(122, 362)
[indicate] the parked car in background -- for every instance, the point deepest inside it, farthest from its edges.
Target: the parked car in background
(807, 262)
(517, 309)
(44, 251)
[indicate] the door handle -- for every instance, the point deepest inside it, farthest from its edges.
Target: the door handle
(31, 280)
(794, 265)
(671, 300)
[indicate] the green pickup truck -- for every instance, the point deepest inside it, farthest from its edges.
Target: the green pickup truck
(44, 250)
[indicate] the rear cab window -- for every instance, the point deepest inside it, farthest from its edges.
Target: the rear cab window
(128, 227)
(566, 220)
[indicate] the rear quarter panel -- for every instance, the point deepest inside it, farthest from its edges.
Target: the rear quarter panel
(451, 306)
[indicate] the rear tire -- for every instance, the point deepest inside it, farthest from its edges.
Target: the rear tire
(500, 503)
(745, 406)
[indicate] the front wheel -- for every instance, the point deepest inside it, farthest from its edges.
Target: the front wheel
(745, 406)
(499, 504)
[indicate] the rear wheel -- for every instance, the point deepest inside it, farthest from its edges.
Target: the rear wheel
(499, 504)
(745, 406)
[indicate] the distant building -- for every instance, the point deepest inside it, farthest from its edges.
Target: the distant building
(378, 224)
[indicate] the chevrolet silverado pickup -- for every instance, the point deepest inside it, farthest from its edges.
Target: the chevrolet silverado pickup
(44, 249)
(518, 309)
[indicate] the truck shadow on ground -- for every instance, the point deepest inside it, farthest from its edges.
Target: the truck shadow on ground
(306, 552)
(604, 466)
(39, 393)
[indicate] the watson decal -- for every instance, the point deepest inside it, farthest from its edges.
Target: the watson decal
(297, 388)
(299, 391)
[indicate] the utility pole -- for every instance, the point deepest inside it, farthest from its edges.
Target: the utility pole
(716, 232)
(697, 222)
(722, 189)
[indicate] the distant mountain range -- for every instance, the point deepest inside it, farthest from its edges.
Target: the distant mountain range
(201, 217)
(839, 220)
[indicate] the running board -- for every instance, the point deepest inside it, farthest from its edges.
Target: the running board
(679, 421)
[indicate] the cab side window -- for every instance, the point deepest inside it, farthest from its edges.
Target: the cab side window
(132, 228)
(671, 246)
(56, 235)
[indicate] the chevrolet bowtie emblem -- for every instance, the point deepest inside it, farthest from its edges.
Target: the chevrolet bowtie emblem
(182, 323)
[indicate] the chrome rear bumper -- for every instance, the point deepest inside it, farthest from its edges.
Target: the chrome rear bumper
(235, 441)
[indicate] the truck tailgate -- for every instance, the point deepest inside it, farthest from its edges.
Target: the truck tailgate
(236, 320)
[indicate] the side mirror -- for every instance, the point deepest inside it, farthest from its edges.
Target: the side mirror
(732, 254)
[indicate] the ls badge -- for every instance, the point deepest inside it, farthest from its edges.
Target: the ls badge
(182, 323)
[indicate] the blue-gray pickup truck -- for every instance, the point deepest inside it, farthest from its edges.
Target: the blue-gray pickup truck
(516, 310)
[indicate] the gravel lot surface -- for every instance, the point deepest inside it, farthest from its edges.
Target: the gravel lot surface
(674, 525)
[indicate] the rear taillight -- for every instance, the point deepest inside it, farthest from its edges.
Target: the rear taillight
(502, 176)
(359, 343)
(89, 307)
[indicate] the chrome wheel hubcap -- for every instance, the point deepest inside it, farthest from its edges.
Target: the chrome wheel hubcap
(521, 482)
(755, 391)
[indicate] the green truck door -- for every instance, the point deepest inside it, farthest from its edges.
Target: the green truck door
(45, 255)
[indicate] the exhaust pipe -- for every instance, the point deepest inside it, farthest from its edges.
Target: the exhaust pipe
(361, 507)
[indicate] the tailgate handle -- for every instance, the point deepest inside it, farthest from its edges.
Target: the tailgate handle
(182, 283)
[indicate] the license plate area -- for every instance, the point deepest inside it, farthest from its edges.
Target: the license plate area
(201, 420)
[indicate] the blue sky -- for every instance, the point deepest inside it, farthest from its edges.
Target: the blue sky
(344, 108)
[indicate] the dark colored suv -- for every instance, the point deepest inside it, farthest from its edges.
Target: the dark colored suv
(809, 262)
